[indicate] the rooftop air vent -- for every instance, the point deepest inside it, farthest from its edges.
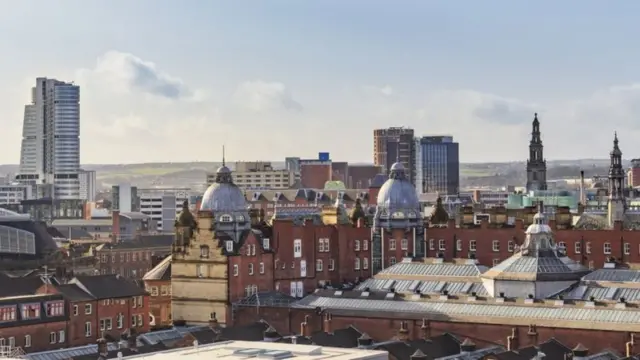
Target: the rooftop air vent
(275, 354)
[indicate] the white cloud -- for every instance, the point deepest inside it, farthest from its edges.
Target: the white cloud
(385, 90)
(261, 96)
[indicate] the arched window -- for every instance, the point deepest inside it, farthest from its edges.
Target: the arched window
(226, 218)
(204, 251)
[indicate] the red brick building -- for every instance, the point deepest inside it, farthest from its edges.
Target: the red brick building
(157, 283)
(49, 315)
(34, 322)
(315, 173)
(490, 244)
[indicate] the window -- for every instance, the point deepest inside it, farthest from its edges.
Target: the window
(627, 248)
(365, 263)
(392, 260)
(229, 246)
(200, 270)
(472, 245)
(495, 245)
(332, 264)
(105, 324)
(432, 245)
(318, 265)
(357, 264)
(588, 247)
(261, 267)
(87, 309)
(75, 310)
(510, 246)
(7, 313)
(404, 244)
(365, 245)
(577, 247)
(300, 289)
(607, 248)
(154, 291)
(12, 342)
(303, 268)
(496, 262)
(326, 244)
(356, 246)
(293, 290)
(52, 338)
(30, 311)
(141, 319)
(133, 320)
(120, 320)
(248, 250)
(226, 218)
(441, 245)
(253, 249)
(458, 245)
(392, 244)
(2, 342)
(27, 341)
(562, 246)
(164, 290)
(236, 271)
(204, 251)
(61, 336)
(250, 269)
(265, 244)
(297, 248)
(87, 329)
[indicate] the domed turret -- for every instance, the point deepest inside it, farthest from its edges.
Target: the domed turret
(223, 195)
(397, 198)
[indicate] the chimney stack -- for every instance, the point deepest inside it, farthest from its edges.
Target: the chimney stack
(102, 347)
(327, 324)
(583, 198)
(213, 320)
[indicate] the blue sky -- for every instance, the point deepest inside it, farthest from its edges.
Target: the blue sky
(173, 80)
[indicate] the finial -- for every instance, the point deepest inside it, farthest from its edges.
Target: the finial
(223, 160)
(615, 136)
(398, 150)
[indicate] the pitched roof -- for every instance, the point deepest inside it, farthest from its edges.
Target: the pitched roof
(73, 292)
(108, 286)
(10, 286)
(162, 271)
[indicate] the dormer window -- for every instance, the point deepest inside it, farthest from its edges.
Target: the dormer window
(229, 246)
(226, 218)
(240, 218)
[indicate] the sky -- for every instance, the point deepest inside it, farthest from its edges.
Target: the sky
(166, 80)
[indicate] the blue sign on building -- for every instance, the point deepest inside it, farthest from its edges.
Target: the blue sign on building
(323, 156)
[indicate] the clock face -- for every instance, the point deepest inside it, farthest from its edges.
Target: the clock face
(398, 215)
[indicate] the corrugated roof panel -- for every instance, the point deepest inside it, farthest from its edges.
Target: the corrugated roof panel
(490, 310)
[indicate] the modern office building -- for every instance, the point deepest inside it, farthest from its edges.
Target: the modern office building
(87, 184)
(124, 198)
(437, 165)
(15, 193)
(163, 205)
(259, 175)
(392, 145)
(50, 151)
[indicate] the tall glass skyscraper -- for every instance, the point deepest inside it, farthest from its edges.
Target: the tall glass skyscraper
(437, 165)
(50, 153)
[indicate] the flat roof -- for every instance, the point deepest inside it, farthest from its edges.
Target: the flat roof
(82, 222)
(231, 350)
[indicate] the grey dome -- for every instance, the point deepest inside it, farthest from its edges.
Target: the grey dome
(224, 195)
(397, 193)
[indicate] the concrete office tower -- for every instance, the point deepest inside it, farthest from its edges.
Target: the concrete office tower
(50, 153)
(395, 144)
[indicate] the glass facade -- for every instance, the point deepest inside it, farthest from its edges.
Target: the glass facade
(438, 165)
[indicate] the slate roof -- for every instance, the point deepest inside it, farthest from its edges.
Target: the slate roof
(470, 270)
(73, 292)
(108, 286)
(69, 232)
(162, 271)
(342, 338)
(10, 286)
(309, 195)
(268, 298)
(142, 242)
(425, 287)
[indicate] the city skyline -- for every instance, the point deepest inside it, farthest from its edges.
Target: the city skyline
(301, 78)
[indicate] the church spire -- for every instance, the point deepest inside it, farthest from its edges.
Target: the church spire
(617, 203)
(536, 165)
